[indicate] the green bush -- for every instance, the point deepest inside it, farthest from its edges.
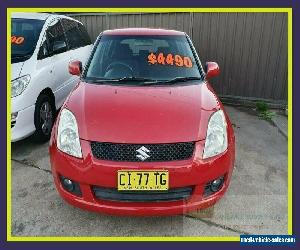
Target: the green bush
(263, 111)
(267, 115)
(262, 106)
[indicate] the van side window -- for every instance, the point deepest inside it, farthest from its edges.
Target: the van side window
(44, 49)
(76, 34)
(56, 38)
(84, 34)
(71, 32)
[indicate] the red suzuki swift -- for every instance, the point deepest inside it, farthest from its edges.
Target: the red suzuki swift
(143, 132)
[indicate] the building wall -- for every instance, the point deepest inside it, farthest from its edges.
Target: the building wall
(250, 48)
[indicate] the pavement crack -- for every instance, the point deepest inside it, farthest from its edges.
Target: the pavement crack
(210, 223)
(31, 164)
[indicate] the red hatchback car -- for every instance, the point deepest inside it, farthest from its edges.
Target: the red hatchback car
(143, 132)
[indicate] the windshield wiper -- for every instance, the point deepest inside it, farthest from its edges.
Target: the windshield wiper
(172, 81)
(131, 79)
(123, 79)
(144, 81)
(182, 79)
(14, 56)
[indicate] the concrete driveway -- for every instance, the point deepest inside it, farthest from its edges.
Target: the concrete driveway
(255, 203)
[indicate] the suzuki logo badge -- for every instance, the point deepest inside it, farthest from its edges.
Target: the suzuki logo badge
(143, 153)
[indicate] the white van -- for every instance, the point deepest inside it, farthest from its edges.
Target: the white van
(42, 45)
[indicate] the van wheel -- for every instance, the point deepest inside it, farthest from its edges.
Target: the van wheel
(44, 115)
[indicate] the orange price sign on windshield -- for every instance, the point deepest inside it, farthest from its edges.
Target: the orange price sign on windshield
(17, 40)
(170, 59)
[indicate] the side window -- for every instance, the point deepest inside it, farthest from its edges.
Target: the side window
(86, 40)
(76, 34)
(72, 33)
(44, 49)
(56, 38)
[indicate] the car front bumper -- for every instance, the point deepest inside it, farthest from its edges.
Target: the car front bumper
(89, 172)
(23, 125)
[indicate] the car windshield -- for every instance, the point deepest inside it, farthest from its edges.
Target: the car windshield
(142, 59)
(24, 36)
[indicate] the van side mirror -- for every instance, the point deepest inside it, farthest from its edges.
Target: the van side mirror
(75, 68)
(212, 69)
(59, 47)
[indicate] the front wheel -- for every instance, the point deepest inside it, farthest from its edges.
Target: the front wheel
(43, 118)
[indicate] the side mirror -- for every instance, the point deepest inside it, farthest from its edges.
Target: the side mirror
(75, 68)
(212, 69)
(59, 47)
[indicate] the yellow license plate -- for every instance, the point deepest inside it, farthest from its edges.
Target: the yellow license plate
(136, 180)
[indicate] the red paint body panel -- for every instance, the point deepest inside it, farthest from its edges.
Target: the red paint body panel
(75, 68)
(90, 171)
(130, 114)
(105, 124)
(212, 70)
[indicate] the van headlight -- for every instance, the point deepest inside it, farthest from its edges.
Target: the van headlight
(19, 85)
(216, 136)
(67, 134)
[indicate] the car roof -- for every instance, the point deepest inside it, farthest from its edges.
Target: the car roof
(34, 15)
(142, 31)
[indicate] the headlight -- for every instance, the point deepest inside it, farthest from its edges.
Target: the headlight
(67, 134)
(216, 136)
(19, 85)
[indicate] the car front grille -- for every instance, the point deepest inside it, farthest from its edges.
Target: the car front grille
(142, 152)
(113, 194)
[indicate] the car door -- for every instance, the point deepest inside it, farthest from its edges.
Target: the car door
(44, 73)
(60, 57)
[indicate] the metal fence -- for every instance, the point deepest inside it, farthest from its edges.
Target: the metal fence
(250, 48)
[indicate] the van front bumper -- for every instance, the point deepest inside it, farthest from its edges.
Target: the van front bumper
(22, 124)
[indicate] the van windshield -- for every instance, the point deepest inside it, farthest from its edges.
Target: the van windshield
(138, 59)
(24, 36)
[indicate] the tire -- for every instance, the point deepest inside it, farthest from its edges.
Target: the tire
(44, 115)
